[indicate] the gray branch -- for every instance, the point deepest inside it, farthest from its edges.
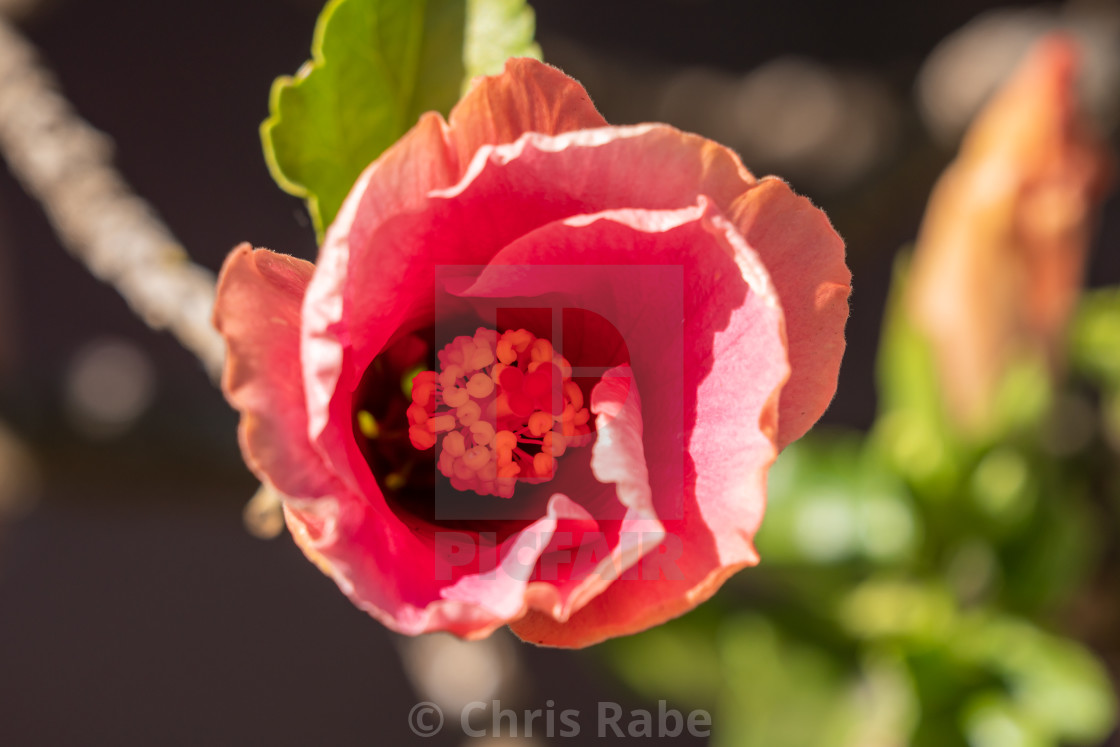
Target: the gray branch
(66, 165)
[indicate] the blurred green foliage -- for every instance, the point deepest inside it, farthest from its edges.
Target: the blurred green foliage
(912, 577)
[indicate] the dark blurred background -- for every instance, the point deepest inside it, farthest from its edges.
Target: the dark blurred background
(134, 606)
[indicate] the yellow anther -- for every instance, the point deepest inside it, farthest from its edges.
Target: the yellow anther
(409, 378)
(395, 481)
(582, 417)
(488, 472)
(540, 423)
(483, 432)
(468, 412)
(454, 444)
(455, 396)
(480, 386)
(367, 424)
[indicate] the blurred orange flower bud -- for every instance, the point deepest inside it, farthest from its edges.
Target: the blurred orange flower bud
(1002, 249)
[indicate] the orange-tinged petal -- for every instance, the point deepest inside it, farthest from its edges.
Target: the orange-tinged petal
(1002, 249)
(805, 258)
(528, 96)
(257, 310)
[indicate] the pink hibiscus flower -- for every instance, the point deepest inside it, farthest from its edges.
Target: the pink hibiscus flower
(540, 369)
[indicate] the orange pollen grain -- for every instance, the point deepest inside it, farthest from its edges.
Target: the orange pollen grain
(501, 408)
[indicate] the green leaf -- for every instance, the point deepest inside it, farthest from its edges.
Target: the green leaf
(376, 66)
(1095, 336)
(1055, 688)
(496, 31)
(912, 429)
(899, 609)
(915, 430)
(831, 500)
(678, 661)
(764, 685)
(783, 692)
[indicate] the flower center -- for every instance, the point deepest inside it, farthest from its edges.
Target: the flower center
(502, 408)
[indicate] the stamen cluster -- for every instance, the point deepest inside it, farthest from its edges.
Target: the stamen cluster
(502, 408)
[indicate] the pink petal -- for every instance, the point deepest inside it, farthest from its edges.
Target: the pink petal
(708, 490)
(394, 571)
(258, 312)
(528, 96)
(505, 589)
(384, 570)
(805, 259)
(416, 582)
(396, 182)
(574, 575)
(512, 189)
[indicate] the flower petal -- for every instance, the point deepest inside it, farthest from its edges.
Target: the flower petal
(396, 182)
(528, 96)
(567, 581)
(729, 357)
(382, 568)
(805, 259)
(466, 583)
(512, 189)
(505, 588)
(257, 310)
(469, 582)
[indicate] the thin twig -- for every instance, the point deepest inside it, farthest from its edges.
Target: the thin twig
(66, 165)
